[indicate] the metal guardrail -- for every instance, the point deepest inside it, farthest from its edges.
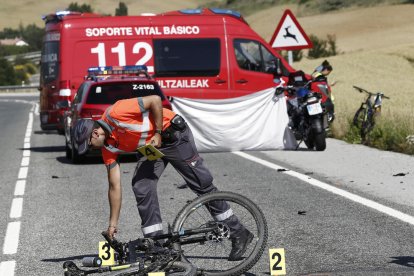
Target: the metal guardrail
(33, 56)
(15, 88)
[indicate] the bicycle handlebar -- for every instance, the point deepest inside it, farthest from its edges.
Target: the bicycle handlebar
(370, 93)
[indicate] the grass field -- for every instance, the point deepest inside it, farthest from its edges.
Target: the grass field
(13, 13)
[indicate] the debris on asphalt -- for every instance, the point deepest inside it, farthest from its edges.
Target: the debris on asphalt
(55, 176)
(400, 174)
(282, 170)
(182, 186)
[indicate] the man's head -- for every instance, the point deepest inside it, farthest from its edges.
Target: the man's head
(87, 133)
(326, 70)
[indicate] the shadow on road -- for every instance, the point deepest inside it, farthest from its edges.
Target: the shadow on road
(45, 149)
(407, 261)
(93, 160)
(46, 132)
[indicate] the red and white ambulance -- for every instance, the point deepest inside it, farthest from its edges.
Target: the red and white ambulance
(197, 53)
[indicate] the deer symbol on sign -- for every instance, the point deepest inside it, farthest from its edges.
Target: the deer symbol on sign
(288, 34)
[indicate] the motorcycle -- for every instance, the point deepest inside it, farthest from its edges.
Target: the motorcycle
(308, 119)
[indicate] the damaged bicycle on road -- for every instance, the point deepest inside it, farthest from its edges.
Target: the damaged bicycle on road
(196, 244)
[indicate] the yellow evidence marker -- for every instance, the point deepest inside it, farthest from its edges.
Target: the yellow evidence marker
(150, 152)
(106, 253)
(277, 261)
(156, 274)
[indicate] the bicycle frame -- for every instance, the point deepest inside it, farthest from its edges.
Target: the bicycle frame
(146, 247)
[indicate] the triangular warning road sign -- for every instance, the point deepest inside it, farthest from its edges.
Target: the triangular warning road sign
(289, 35)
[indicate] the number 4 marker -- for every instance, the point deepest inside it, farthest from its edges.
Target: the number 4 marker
(277, 261)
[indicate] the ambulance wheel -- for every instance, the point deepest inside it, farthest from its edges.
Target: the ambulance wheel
(75, 157)
(68, 151)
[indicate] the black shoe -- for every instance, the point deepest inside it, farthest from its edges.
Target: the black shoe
(239, 244)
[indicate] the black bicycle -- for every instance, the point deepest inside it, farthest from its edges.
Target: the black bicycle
(364, 117)
(196, 244)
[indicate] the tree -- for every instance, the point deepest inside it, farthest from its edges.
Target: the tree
(7, 75)
(122, 9)
(322, 47)
(33, 35)
(77, 8)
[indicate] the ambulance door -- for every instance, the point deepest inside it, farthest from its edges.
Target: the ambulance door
(191, 67)
(253, 67)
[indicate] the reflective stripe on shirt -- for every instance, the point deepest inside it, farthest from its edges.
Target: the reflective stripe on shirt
(145, 129)
(134, 127)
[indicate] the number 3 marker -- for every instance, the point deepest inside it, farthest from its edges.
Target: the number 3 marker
(106, 253)
(277, 261)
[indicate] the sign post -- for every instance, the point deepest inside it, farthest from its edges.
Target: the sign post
(289, 35)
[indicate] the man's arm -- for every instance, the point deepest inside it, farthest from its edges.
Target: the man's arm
(154, 105)
(115, 198)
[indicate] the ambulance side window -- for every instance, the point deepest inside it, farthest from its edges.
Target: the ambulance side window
(273, 64)
(248, 55)
(253, 56)
(187, 57)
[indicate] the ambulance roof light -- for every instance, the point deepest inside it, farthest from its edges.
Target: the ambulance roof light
(107, 71)
(191, 11)
(226, 11)
(63, 13)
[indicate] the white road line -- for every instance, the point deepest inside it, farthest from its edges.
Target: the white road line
(25, 161)
(16, 208)
(7, 268)
(23, 172)
(11, 240)
(366, 202)
(20, 187)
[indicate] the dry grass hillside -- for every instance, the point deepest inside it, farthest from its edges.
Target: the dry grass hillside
(13, 13)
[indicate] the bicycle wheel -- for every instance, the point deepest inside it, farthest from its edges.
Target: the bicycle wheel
(211, 256)
(359, 117)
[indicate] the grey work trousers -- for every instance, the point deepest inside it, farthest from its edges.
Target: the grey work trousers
(184, 157)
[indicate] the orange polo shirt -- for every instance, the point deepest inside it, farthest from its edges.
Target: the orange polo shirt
(130, 127)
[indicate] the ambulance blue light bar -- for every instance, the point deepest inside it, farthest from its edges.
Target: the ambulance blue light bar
(191, 11)
(117, 70)
(225, 11)
(63, 13)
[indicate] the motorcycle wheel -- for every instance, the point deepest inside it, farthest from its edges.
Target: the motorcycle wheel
(309, 143)
(320, 141)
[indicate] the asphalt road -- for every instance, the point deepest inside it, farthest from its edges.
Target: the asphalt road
(65, 206)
